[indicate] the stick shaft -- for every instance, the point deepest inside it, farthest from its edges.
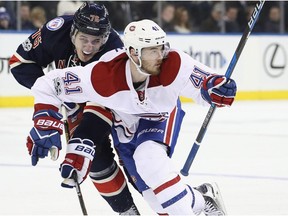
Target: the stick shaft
(74, 175)
(250, 25)
(79, 194)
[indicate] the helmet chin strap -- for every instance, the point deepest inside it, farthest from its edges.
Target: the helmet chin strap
(138, 67)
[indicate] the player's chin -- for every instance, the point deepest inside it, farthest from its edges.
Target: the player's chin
(158, 68)
(85, 58)
(155, 71)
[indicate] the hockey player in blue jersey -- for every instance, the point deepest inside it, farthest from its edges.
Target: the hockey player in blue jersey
(76, 41)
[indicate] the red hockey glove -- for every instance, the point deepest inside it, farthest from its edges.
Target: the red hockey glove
(79, 155)
(218, 90)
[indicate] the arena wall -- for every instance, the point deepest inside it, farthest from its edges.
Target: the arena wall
(261, 72)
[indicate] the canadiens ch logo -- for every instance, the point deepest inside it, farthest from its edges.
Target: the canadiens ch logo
(55, 24)
(132, 28)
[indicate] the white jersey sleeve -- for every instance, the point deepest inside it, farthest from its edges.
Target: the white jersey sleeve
(60, 85)
(190, 77)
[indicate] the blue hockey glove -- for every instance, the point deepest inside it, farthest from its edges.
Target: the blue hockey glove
(45, 135)
(218, 90)
(79, 156)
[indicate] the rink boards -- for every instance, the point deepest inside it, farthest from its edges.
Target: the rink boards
(261, 72)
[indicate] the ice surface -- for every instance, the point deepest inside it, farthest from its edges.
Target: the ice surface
(245, 150)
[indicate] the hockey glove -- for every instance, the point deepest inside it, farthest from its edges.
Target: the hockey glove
(45, 135)
(79, 156)
(74, 115)
(218, 90)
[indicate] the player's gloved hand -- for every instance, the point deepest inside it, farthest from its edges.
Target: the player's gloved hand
(45, 135)
(218, 90)
(74, 115)
(79, 156)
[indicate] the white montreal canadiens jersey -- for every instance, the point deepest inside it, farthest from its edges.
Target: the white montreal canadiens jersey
(108, 82)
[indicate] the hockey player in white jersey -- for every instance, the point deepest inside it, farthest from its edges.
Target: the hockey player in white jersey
(141, 84)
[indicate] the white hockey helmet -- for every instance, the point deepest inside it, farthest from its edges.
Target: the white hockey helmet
(141, 34)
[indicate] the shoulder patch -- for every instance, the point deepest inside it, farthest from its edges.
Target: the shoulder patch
(55, 24)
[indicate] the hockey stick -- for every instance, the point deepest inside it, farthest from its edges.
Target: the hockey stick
(254, 17)
(74, 174)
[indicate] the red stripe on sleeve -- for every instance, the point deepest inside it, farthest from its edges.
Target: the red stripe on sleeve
(40, 106)
(167, 184)
(13, 60)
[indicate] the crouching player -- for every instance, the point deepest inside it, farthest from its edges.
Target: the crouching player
(141, 85)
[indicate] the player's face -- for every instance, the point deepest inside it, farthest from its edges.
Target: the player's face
(87, 45)
(152, 58)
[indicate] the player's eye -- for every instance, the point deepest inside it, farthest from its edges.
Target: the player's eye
(96, 41)
(84, 40)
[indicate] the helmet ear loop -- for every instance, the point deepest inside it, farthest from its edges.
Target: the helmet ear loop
(166, 50)
(136, 54)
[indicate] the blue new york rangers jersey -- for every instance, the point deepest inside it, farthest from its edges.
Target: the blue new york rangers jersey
(51, 43)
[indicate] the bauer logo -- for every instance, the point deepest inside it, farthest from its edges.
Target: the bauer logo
(46, 123)
(255, 14)
(55, 24)
(86, 149)
(151, 130)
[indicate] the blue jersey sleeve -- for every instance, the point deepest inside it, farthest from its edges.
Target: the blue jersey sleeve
(40, 49)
